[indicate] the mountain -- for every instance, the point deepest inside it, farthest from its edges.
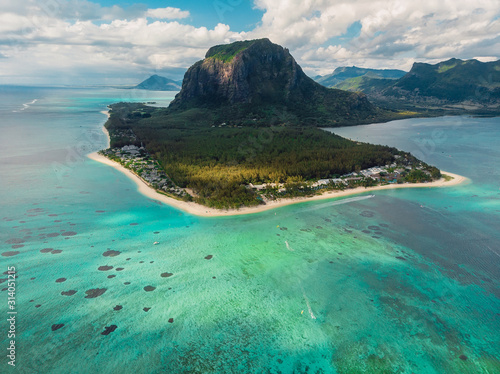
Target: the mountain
(259, 81)
(365, 84)
(453, 80)
(342, 73)
(247, 114)
(158, 83)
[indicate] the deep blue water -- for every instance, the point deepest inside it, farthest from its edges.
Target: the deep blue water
(405, 282)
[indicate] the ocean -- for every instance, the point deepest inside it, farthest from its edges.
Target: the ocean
(406, 281)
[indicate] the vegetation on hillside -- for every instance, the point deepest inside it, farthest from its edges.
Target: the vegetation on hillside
(365, 84)
(266, 86)
(344, 73)
(226, 52)
(217, 162)
(449, 87)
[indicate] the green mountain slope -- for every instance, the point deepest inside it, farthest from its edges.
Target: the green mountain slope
(341, 74)
(453, 80)
(449, 87)
(365, 84)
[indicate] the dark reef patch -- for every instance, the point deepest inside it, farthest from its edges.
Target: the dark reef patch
(208, 257)
(149, 288)
(14, 241)
(57, 326)
(95, 292)
(69, 233)
(69, 293)
(118, 307)
(166, 275)
(111, 253)
(367, 213)
(109, 329)
(10, 253)
(46, 250)
(105, 268)
(60, 280)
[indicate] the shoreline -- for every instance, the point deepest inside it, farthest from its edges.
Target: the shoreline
(105, 130)
(203, 211)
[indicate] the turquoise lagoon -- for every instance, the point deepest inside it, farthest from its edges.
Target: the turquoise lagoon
(407, 281)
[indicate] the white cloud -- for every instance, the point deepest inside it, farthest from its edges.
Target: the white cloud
(167, 13)
(71, 36)
(486, 58)
(393, 31)
(42, 41)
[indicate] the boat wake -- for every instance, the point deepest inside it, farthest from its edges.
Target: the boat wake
(339, 202)
(26, 106)
(307, 303)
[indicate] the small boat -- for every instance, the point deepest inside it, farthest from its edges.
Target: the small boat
(155, 243)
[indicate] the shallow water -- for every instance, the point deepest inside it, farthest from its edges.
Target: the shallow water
(406, 281)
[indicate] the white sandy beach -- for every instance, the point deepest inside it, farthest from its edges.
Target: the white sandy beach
(200, 210)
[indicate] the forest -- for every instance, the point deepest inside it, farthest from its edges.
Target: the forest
(218, 161)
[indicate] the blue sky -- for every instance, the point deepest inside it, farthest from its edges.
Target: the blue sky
(123, 42)
(240, 15)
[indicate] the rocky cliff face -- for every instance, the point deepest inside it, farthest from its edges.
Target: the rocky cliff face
(259, 73)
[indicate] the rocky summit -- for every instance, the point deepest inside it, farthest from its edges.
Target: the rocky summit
(262, 80)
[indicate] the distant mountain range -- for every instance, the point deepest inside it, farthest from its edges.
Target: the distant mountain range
(453, 80)
(344, 73)
(158, 83)
(458, 84)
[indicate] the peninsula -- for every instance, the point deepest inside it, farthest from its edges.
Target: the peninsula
(144, 187)
(242, 136)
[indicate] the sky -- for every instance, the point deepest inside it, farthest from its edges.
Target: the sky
(123, 42)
